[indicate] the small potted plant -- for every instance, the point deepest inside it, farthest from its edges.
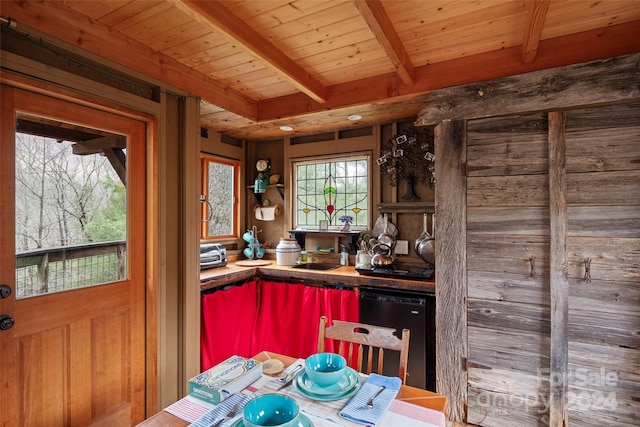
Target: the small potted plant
(346, 220)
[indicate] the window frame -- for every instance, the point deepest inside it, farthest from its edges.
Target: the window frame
(351, 156)
(205, 159)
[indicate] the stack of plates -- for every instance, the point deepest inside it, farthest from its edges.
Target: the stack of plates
(303, 421)
(346, 387)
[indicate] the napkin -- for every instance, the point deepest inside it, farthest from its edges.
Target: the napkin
(357, 410)
(221, 411)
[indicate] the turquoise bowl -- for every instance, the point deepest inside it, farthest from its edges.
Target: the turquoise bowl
(274, 410)
(325, 369)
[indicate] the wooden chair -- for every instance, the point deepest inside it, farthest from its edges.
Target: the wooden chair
(377, 338)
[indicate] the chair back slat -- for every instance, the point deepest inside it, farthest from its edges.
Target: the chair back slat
(360, 335)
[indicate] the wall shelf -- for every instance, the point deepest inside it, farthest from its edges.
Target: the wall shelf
(428, 207)
(258, 196)
(351, 236)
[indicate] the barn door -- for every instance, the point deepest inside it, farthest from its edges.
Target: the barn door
(72, 264)
(603, 254)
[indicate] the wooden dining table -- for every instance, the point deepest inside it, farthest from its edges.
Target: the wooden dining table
(413, 395)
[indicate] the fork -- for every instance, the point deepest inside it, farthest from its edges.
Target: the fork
(369, 403)
(232, 413)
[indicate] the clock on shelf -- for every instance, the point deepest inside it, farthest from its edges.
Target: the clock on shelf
(263, 166)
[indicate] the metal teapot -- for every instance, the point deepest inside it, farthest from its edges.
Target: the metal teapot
(382, 257)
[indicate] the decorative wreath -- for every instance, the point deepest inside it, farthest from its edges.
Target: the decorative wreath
(409, 155)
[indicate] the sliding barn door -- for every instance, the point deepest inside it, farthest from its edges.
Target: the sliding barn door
(603, 253)
(508, 270)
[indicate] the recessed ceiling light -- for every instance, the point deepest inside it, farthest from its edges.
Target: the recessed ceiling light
(354, 117)
(286, 128)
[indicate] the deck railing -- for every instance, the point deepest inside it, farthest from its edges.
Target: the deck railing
(41, 271)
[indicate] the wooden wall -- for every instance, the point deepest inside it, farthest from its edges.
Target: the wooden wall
(539, 271)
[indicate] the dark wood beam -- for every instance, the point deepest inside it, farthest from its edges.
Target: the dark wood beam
(377, 19)
(98, 145)
(616, 80)
(216, 16)
(536, 16)
(118, 160)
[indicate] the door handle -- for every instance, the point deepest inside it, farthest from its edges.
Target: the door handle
(6, 322)
(5, 291)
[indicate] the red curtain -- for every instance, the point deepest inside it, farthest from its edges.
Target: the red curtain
(228, 320)
(289, 316)
(266, 315)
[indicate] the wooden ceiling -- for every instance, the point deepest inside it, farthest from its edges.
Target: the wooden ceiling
(309, 64)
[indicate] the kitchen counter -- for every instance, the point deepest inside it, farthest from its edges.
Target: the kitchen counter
(348, 276)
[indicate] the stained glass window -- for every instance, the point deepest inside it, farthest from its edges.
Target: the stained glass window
(330, 188)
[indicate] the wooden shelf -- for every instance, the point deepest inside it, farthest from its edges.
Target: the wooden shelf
(428, 207)
(351, 236)
(258, 196)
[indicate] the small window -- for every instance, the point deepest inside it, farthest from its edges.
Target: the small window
(328, 189)
(219, 197)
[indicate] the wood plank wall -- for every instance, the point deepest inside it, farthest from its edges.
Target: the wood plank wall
(514, 373)
(548, 276)
(507, 231)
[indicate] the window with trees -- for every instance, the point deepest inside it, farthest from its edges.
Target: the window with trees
(331, 188)
(71, 206)
(219, 197)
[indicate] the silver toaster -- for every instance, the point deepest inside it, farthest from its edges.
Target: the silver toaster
(212, 255)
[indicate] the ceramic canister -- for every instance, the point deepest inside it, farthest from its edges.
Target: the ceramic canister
(287, 252)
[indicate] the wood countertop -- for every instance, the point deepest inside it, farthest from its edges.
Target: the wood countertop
(348, 276)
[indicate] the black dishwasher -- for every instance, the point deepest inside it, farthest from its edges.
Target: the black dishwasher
(405, 309)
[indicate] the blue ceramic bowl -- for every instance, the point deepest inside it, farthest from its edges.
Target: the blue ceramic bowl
(325, 369)
(275, 410)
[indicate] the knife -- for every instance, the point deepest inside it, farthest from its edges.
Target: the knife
(290, 379)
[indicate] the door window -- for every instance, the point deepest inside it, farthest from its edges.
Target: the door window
(71, 206)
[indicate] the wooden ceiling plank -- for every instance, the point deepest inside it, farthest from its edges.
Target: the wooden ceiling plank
(576, 48)
(379, 22)
(536, 16)
(77, 30)
(222, 20)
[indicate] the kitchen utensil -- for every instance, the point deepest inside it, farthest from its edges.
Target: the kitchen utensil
(386, 237)
(425, 235)
(288, 383)
(232, 413)
(427, 247)
(378, 227)
(288, 379)
(370, 401)
(382, 257)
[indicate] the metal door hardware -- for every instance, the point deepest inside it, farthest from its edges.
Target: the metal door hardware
(6, 322)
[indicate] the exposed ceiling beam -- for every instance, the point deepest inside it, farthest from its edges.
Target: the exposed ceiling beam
(587, 46)
(118, 160)
(65, 24)
(536, 15)
(98, 145)
(220, 19)
(379, 22)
